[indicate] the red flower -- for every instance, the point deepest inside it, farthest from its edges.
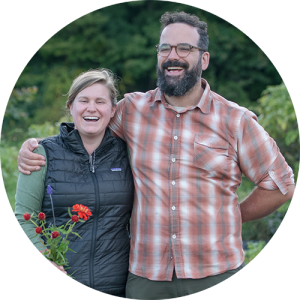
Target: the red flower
(83, 211)
(75, 219)
(54, 234)
(42, 216)
(26, 216)
(38, 230)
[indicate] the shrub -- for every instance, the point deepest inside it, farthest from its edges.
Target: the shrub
(253, 248)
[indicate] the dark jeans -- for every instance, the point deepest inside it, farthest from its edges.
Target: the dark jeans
(143, 288)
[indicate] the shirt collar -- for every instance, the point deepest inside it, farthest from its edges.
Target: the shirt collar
(204, 102)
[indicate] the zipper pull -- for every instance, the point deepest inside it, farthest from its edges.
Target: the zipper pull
(92, 168)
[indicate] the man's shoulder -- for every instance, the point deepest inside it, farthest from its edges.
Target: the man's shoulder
(141, 97)
(232, 106)
(227, 103)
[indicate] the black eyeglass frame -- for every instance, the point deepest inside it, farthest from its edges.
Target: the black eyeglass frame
(175, 46)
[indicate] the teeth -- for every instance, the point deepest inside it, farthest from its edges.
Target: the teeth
(91, 118)
(175, 68)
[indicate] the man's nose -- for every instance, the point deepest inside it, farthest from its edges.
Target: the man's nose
(173, 54)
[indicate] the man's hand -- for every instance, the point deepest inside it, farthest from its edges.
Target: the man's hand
(27, 160)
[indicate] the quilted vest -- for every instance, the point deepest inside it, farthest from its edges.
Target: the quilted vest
(103, 182)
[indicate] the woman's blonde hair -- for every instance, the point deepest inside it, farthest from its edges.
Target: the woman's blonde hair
(86, 79)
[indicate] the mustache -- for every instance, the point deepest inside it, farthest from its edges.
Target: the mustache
(170, 63)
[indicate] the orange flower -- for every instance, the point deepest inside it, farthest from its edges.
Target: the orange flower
(82, 210)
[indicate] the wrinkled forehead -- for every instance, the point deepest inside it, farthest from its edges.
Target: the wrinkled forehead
(176, 33)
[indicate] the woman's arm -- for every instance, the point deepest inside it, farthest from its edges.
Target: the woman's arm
(29, 198)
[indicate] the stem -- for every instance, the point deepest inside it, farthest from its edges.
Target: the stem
(67, 224)
(71, 226)
(34, 223)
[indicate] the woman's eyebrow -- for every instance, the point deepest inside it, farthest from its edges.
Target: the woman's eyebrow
(84, 97)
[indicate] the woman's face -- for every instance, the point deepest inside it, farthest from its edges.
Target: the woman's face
(92, 110)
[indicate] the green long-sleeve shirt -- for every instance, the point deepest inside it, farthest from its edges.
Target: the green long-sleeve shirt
(29, 198)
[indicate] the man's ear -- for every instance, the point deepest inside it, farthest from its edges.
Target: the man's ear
(205, 60)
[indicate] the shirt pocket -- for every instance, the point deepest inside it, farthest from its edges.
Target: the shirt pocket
(210, 153)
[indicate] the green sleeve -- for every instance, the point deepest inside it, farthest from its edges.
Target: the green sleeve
(29, 198)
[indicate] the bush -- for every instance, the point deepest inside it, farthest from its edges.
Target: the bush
(253, 248)
(10, 173)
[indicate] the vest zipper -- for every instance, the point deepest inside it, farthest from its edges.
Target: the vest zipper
(92, 163)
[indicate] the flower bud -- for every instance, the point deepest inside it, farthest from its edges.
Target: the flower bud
(41, 216)
(26, 216)
(75, 219)
(38, 230)
(54, 234)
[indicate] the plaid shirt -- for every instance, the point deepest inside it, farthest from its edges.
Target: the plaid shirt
(187, 167)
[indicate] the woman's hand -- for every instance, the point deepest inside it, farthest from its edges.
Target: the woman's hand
(27, 160)
(61, 268)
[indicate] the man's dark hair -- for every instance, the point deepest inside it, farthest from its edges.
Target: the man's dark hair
(181, 17)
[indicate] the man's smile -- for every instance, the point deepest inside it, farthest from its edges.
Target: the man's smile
(171, 71)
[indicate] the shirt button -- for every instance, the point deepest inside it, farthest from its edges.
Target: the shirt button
(178, 115)
(173, 207)
(175, 137)
(174, 236)
(173, 159)
(173, 182)
(272, 173)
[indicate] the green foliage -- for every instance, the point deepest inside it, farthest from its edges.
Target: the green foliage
(9, 156)
(253, 248)
(17, 116)
(10, 173)
(14, 112)
(44, 130)
(122, 38)
(277, 115)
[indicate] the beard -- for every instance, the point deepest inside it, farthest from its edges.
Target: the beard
(173, 85)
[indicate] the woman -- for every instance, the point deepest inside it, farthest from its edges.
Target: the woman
(86, 165)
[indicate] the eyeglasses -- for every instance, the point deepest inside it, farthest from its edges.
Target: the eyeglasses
(181, 49)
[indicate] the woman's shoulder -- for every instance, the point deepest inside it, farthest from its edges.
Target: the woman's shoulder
(40, 150)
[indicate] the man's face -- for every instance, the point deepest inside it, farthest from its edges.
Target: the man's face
(178, 81)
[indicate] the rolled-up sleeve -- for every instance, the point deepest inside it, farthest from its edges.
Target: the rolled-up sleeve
(260, 158)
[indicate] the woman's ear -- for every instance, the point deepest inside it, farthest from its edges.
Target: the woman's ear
(70, 109)
(113, 110)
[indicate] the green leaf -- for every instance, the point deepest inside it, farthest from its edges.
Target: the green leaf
(77, 234)
(69, 211)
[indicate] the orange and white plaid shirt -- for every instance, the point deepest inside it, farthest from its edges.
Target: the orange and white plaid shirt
(187, 167)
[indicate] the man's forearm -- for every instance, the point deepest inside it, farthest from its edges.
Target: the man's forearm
(261, 203)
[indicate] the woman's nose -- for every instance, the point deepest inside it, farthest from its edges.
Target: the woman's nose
(91, 106)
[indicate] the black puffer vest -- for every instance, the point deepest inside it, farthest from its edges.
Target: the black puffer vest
(103, 182)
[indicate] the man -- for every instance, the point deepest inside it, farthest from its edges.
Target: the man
(189, 147)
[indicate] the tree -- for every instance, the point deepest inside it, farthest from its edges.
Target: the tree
(17, 115)
(122, 38)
